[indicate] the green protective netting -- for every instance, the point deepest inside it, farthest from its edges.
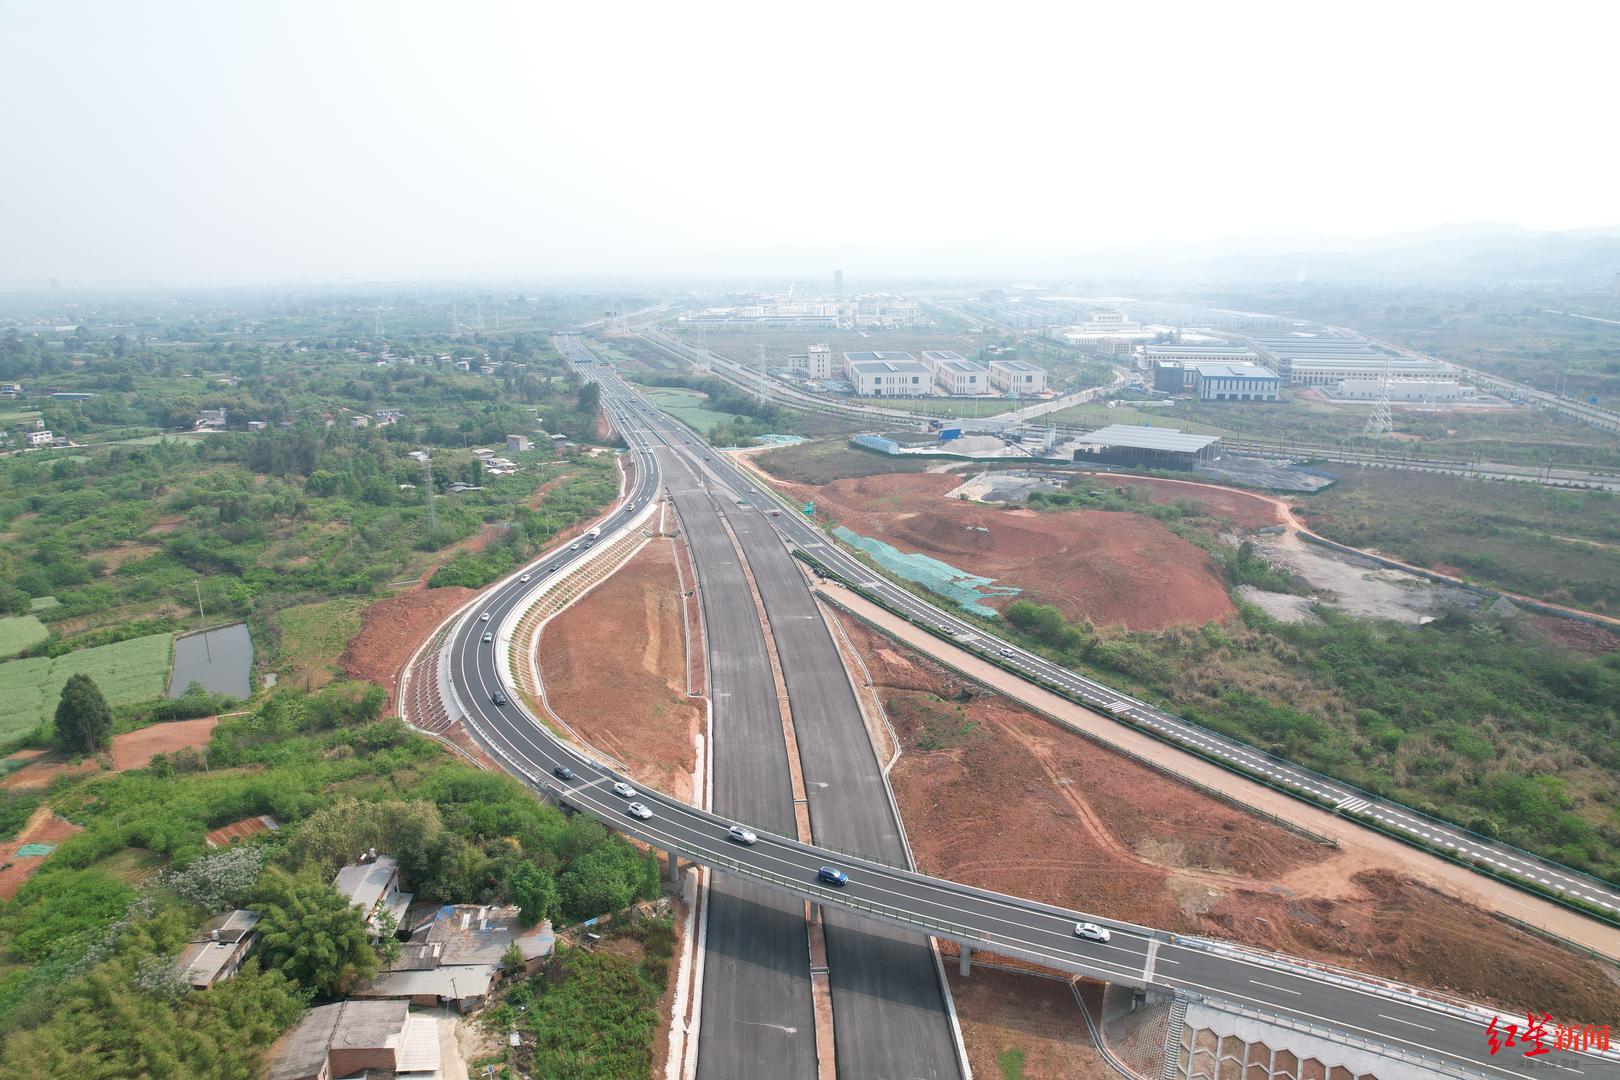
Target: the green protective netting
(964, 588)
(36, 850)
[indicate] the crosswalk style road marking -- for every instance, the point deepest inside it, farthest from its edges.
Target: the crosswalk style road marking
(1353, 805)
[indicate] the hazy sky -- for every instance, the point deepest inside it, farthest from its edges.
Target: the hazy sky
(234, 142)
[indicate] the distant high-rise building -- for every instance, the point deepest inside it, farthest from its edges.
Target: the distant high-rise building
(838, 284)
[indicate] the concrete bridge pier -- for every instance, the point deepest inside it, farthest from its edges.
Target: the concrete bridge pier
(674, 871)
(964, 960)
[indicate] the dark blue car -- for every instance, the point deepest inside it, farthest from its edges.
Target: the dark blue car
(832, 876)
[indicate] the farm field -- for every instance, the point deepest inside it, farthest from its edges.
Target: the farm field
(18, 632)
(127, 672)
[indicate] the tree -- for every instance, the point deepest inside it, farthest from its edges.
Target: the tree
(589, 399)
(312, 934)
(83, 720)
(534, 891)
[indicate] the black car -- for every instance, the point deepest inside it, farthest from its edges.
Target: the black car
(498, 698)
(563, 772)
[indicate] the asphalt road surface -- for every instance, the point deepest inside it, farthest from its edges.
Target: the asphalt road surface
(888, 1005)
(758, 1017)
(1444, 1040)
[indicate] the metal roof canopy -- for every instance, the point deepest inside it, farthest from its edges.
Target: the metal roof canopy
(1146, 438)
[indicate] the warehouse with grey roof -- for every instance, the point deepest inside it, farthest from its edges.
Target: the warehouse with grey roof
(1144, 447)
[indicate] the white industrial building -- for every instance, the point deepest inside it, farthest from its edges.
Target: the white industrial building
(1303, 371)
(1106, 332)
(1017, 377)
(956, 374)
(1403, 390)
(1234, 382)
(888, 374)
(814, 363)
(1190, 353)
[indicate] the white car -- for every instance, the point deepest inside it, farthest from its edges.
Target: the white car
(742, 835)
(1090, 931)
(639, 810)
(488, 636)
(484, 617)
(525, 577)
(624, 790)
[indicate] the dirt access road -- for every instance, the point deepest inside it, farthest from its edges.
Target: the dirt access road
(1380, 851)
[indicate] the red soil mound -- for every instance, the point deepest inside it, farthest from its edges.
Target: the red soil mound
(1110, 568)
(391, 629)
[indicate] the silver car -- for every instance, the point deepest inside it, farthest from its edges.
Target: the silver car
(742, 835)
(624, 790)
(639, 810)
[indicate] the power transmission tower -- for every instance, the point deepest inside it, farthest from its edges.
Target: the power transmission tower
(427, 481)
(1380, 422)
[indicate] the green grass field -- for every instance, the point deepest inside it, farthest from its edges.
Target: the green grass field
(1562, 546)
(313, 637)
(1095, 414)
(44, 603)
(127, 672)
(18, 632)
(688, 406)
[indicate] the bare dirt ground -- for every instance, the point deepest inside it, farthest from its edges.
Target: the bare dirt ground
(614, 667)
(1577, 636)
(1367, 590)
(131, 750)
(1003, 1014)
(44, 768)
(239, 830)
(43, 827)
(135, 749)
(996, 796)
(1110, 568)
(391, 629)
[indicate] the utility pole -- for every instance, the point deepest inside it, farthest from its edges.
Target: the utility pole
(1380, 422)
(427, 480)
(208, 649)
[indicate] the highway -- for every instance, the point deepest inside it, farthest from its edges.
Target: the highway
(899, 1026)
(758, 1017)
(1442, 1039)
